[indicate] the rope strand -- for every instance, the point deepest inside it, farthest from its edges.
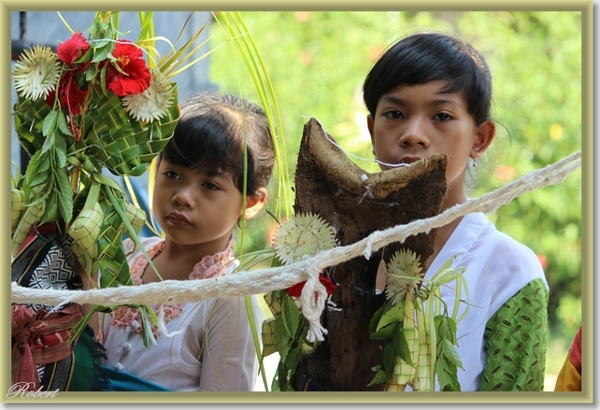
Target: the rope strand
(268, 280)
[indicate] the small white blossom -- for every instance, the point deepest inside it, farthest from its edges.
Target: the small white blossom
(154, 102)
(36, 73)
(303, 234)
(403, 275)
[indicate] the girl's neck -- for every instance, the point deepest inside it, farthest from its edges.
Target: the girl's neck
(175, 261)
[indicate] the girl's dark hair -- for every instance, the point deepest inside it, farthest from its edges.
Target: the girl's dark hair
(212, 134)
(426, 57)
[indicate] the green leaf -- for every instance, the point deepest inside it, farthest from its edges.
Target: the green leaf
(451, 353)
(380, 377)
(281, 338)
(62, 124)
(446, 366)
(51, 210)
(384, 333)
(50, 123)
(293, 359)
(401, 345)
(394, 315)
(60, 153)
(289, 314)
(147, 335)
(446, 328)
(389, 360)
(40, 177)
(64, 194)
(375, 319)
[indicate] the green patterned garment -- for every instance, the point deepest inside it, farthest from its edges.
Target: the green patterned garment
(515, 342)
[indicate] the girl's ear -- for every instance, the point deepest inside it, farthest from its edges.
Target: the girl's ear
(254, 203)
(483, 138)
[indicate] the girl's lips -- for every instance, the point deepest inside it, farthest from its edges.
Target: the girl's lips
(178, 219)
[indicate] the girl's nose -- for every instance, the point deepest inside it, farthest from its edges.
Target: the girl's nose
(183, 196)
(415, 133)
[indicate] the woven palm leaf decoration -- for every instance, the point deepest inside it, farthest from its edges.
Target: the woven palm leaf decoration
(96, 104)
(126, 147)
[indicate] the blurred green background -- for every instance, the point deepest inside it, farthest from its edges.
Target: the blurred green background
(317, 62)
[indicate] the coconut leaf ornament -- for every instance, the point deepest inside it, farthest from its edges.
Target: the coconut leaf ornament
(98, 103)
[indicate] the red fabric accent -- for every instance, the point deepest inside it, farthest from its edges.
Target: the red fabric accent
(38, 230)
(296, 290)
(575, 351)
(39, 339)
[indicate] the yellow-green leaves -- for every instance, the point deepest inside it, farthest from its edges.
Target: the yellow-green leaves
(448, 360)
(422, 336)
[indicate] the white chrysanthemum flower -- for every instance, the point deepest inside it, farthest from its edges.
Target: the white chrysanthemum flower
(36, 73)
(303, 234)
(154, 102)
(403, 274)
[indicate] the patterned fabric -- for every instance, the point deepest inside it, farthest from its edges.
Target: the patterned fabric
(515, 342)
(42, 355)
(569, 377)
(210, 266)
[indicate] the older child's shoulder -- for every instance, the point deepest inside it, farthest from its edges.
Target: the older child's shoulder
(481, 247)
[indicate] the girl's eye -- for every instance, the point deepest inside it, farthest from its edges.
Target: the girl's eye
(442, 117)
(392, 115)
(171, 174)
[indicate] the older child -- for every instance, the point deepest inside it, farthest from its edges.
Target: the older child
(200, 194)
(431, 94)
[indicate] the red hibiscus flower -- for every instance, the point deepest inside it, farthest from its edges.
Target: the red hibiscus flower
(73, 49)
(70, 96)
(133, 76)
(296, 290)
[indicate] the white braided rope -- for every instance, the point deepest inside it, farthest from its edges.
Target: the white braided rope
(268, 280)
(312, 305)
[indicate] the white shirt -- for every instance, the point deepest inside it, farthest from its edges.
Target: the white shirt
(497, 267)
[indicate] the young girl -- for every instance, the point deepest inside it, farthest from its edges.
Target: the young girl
(431, 94)
(199, 197)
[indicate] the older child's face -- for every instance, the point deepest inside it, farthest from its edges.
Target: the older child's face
(415, 122)
(193, 208)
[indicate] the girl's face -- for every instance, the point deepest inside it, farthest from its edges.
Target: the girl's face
(415, 122)
(193, 208)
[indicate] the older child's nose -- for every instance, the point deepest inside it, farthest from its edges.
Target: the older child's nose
(415, 133)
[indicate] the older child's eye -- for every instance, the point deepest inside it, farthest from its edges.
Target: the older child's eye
(443, 117)
(211, 186)
(392, 115)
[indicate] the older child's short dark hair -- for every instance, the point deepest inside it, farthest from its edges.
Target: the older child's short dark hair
(212, 134)
(426, 57)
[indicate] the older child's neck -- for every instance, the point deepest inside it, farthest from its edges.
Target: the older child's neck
(444, 232)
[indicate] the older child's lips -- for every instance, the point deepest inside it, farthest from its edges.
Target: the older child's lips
(178, 219)
(409, 160)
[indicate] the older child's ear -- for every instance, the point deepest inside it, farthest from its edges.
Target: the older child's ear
(254, 203)
(483, 138)
(370, 125)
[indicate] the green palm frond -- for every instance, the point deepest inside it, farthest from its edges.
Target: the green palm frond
(125, 147)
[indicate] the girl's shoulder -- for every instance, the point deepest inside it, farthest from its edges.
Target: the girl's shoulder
(131, 248)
